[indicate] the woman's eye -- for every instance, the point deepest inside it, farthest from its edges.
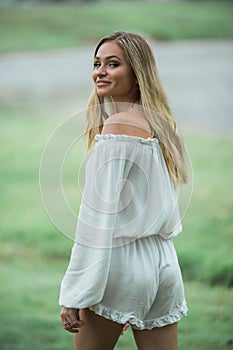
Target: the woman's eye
(110, 64)
(96, 65)
(113, 64)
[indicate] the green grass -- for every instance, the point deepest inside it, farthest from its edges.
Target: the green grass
(209, 219)
(34, 254)
(68, 25)
(29, 314)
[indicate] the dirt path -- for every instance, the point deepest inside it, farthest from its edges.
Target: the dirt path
(197, 75)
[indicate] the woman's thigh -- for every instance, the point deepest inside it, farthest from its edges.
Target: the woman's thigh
(163, 338)
(98, 332)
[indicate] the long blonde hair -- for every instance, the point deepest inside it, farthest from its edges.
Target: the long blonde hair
(153, 99)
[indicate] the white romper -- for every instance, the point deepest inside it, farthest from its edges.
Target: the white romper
(123, 264)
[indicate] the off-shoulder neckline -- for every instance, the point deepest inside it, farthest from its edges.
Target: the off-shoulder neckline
(125, 137)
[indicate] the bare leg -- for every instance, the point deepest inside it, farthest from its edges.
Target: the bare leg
(98, 332)
(163, 338)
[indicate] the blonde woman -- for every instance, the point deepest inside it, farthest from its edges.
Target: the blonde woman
(123, 268)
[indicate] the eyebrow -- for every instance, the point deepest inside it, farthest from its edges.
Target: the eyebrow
(108, 57)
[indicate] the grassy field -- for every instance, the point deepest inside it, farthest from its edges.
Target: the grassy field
(34, 254)
(49, 27)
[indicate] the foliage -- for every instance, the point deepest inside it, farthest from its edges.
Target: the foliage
(69, 25)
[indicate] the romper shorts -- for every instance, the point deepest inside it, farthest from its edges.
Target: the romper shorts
(144, 285)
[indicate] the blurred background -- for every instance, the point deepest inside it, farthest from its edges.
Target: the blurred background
(46, 52)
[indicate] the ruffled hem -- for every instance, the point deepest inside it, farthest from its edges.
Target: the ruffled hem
(135, 322)
(124, 137)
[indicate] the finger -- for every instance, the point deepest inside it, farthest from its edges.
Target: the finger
(67, 325)
(64, 312)
(78, 324)
(73, 327)
(71, 330)
(70, 319)
(68, 316)
(65, 318)
(122, 331)
(74, 318)
(126, 326)
(78, 315)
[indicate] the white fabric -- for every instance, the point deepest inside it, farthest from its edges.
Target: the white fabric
(144, 286)
(128, 197)
(128, 193)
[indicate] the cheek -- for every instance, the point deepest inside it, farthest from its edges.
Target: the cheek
(128, 81)
(127, 76)
(132, 78)
(120, 76)
(93, 75)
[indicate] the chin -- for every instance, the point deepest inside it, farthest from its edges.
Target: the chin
(102, 94)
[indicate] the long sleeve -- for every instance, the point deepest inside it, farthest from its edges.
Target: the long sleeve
(85, 279)
(127, 195)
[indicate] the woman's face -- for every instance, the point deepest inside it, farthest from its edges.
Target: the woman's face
(112, 74)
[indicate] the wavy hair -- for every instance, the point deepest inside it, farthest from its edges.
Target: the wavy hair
(153, 100)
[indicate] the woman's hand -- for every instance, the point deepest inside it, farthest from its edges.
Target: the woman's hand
(70, 319)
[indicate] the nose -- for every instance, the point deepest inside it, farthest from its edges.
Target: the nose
(101, 71)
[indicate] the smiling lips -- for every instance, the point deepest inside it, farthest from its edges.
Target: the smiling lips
(103, 83)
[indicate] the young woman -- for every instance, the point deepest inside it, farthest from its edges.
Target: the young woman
(123, 267)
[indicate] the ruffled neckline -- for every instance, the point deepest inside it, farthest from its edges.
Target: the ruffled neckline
(123, 137)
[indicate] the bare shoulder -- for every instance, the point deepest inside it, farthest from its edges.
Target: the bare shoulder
(127, 123)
